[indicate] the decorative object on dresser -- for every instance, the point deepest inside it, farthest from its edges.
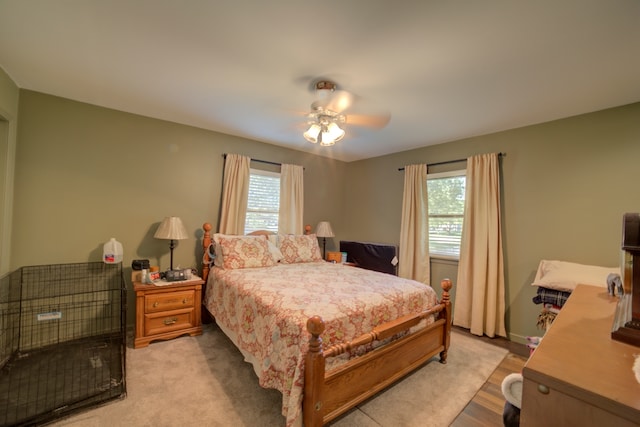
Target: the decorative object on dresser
(166, 312)
(626, 324)
(324, 230)
(171, 228)
(333, 371)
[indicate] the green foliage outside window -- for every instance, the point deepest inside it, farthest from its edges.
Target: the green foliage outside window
(446, 214)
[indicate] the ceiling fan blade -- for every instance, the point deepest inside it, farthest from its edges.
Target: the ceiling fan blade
(339, 100)
(374, 121)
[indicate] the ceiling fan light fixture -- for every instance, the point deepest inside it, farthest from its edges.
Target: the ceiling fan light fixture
(325, 140)
(324, 128)
(326, 116)
(312, 133)
(325, 134)
(336, 133)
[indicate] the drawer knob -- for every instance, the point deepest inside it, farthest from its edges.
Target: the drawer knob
(170, 321)
(184, 301)
(543, 389)
(155, 304)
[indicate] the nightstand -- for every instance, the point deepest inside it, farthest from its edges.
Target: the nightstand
(166, 312)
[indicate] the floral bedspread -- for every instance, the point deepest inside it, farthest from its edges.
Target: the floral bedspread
(266, 311)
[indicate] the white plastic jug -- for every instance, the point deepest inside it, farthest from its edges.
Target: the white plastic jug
(112, 252)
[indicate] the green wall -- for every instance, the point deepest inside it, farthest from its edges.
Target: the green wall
(566, 185)
(86, 173)
(9, 95)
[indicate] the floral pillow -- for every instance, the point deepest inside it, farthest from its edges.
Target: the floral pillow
(243, 252)
(218, 260)
(299, 248)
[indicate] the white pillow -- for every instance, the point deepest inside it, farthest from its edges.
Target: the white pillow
(275, 252)
(565, 276)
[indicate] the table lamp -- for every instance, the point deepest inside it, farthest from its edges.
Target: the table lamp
(324, 230)
(172, 229)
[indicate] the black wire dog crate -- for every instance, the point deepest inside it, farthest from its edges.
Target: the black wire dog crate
(62, 340)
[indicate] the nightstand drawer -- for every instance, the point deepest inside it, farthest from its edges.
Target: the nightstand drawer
(167, 322)
(168, 301)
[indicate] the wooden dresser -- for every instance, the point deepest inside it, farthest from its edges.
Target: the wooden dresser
(578, 375)
(166, 312)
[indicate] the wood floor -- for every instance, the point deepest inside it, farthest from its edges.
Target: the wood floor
(485, 409)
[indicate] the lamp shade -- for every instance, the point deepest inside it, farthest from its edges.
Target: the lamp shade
(324, 229)
(333, 134)
(312, 133)
(171, 228)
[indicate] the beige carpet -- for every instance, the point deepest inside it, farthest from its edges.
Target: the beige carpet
(204, 381)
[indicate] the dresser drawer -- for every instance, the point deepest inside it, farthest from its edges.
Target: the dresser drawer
(167, 322)
(155, 303)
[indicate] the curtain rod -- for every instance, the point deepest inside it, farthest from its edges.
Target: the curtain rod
(267, 162)
(259, 161)
(452, 161)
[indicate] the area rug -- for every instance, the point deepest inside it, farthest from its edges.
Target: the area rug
(195, 381)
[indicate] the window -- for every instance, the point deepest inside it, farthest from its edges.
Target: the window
(446, 212)
(264, 201)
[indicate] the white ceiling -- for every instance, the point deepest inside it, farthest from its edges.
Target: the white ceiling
(444, 70)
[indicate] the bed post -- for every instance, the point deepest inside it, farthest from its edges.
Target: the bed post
(312, 404)
(445, 314)
(206, 259)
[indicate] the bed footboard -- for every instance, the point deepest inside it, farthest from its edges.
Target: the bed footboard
(328, 395)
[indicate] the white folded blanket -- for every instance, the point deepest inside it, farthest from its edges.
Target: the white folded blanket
(512, 389)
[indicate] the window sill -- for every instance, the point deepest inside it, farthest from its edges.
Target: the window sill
(447, 259)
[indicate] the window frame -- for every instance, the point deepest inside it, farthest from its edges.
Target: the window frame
(254, 171)
(439, 175)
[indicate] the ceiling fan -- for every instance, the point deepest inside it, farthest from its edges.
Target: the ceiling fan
(328, 114)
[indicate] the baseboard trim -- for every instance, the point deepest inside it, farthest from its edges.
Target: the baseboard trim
(520, 339)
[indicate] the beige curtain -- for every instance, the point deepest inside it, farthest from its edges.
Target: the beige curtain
(414, 229)
(479, 304)
(291, 199)
(235, 194)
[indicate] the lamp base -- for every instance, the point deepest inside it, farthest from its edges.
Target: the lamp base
(324, 248)
(172, 244)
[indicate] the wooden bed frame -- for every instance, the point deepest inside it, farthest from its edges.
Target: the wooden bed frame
(329, 394)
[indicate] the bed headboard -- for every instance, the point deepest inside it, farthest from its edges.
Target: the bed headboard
(372, 256)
